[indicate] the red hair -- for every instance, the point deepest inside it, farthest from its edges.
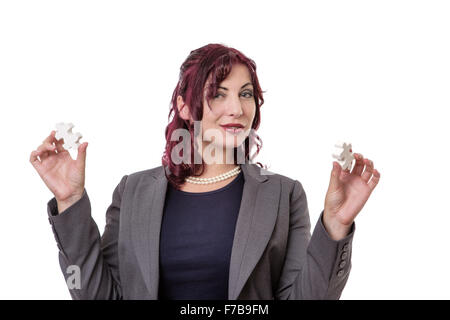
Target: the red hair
(212, 61)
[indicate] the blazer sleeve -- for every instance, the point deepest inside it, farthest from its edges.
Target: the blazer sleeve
(316, 267)
(81, 247)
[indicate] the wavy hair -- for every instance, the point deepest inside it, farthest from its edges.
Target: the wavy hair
(212, 61)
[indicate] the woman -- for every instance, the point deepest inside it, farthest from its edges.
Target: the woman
(205, 225)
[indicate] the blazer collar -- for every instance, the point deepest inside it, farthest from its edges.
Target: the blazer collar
(256, 220)
(250, 170)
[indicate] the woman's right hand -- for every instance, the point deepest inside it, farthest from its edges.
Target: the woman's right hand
(63, 176)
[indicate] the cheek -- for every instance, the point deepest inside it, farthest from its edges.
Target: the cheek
(251, 110)
(210, 120)
(208, 111)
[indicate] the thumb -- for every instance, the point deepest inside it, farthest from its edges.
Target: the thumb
(335, 182)
(81, 156)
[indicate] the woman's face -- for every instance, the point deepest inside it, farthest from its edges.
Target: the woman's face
(234, 104)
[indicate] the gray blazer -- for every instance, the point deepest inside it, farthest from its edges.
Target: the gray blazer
(273, 255)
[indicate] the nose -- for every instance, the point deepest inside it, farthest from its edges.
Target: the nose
(235, 108)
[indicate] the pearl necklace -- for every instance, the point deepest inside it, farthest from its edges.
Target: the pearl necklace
(218, 178)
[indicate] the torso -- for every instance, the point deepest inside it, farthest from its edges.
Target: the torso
(196, 241)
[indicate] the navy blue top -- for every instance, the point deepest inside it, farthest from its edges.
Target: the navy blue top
(197, 233)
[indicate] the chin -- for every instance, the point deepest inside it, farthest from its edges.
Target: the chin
(230, 145)
(235, 142)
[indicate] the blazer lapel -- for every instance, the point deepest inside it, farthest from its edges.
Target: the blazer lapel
(254, 226)
(146, 226)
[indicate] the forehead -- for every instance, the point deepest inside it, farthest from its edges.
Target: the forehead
(238, 76)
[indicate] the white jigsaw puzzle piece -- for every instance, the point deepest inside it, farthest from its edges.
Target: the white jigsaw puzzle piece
(64, 131)
(344, 155)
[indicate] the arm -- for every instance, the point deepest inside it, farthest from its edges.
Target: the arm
(80, 245)
(316, 267)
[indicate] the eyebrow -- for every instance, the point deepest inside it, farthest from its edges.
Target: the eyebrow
(241, 87)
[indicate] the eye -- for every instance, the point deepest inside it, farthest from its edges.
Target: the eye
(248, 93)
(217, 95)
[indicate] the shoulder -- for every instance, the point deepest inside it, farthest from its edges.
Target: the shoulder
(137, 176)
(155, 172)
(274, 177)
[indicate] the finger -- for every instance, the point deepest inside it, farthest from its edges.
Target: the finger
(359, 164)
(51, 138)
(374, 181)
(344, 173)
(335, 181)
(35, 161)
(59, 145)
(43, 155)
(45, 149)
(81, 155)
(368, 171)
(46, 146)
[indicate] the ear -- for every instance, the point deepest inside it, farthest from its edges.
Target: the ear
(183, 109)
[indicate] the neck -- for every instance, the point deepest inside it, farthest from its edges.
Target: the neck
(212, 170)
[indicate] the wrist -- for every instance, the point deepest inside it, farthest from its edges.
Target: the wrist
(335, 229)
(68, 202)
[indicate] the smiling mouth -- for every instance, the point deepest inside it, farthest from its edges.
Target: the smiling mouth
(233, 130)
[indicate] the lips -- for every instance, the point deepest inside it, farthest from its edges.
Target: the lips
(233, 125)
(233, 128)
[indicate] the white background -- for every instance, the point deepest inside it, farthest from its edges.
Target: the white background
(375, 73)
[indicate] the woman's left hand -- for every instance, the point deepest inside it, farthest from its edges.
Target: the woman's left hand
(347, 194)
